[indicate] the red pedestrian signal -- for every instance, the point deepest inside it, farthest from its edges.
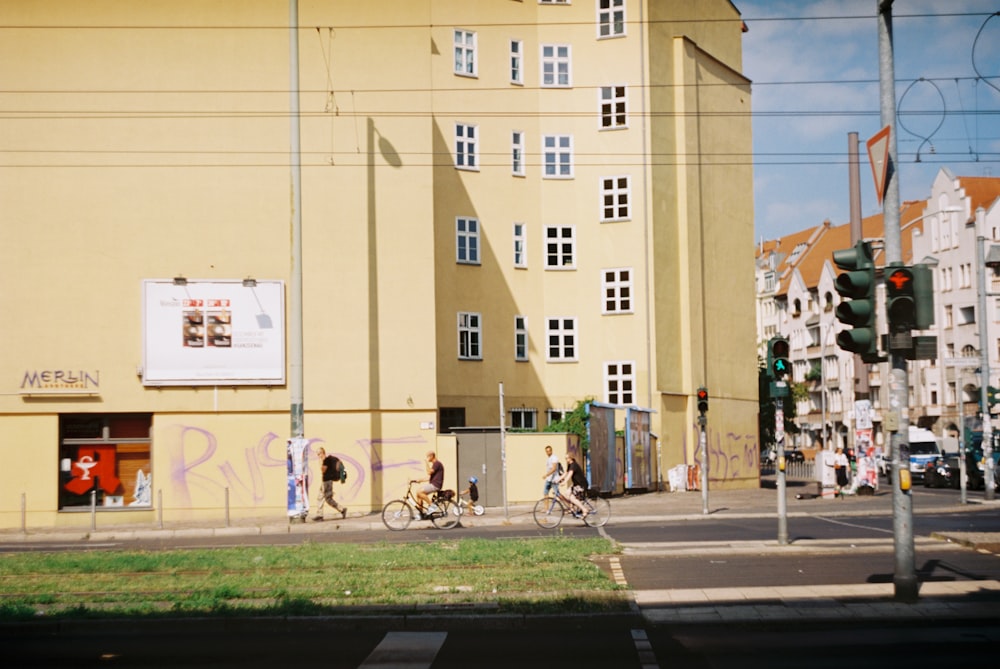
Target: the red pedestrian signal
(702, 400)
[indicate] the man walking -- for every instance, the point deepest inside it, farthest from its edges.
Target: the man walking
(329, 464)
(551, 475)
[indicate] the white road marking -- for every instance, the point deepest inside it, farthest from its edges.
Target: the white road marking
(405, 650)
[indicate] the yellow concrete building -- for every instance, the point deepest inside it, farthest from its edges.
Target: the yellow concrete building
(541, 194)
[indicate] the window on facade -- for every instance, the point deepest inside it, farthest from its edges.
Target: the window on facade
(617, 284)
(553, 2)
(561, 336)
(520, 245)
(107, 455)
(619, 382)
(465, 147)
(949, 319)
(470, 336)
(615, 199)
(967, 315)
(557, 155)
(610, 18)
(560, 247)
(520, 338)
(516, 61)
(465, 53)
(517, 153)
(467, 240)
(613, 110)
(555, 415)
(555, 66)
(524, 419)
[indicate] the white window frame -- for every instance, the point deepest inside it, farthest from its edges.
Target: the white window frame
(557, 156)
(465, 49)
(610, 19)
(521, 338)
(561, 340)
(517, 153)
(467, 240)
(560, 247)
(616, 198)
(517, 62)
(621, 373)
(520, 245)
(466, 146)
(612, 101)
(528, 419)
(555, 65)
(470, 335)
(617, 290)
(554, 2)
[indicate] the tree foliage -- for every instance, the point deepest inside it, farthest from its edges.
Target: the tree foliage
(574, 422)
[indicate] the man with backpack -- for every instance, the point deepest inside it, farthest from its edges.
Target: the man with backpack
(333, 470)
(553, 470)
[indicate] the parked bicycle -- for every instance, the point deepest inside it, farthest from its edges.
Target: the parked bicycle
(399, 513)
(549, 511)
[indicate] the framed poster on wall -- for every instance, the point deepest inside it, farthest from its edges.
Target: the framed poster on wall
(207, 333)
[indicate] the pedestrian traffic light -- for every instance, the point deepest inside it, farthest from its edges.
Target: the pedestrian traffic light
(703, 400)
(923, 293)
(778, 364)
(900, 301)
(856, 286)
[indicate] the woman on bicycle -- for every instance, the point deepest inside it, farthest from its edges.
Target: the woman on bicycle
(577, 484)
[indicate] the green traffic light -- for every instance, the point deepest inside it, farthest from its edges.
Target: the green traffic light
(856, 286)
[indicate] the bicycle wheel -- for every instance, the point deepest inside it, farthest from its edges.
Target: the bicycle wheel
(446, 517)
(478, 509)
(548, 513)
(397, 515)
(600, 512)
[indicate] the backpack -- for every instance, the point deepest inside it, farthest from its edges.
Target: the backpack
(559, 469)
(341, 471)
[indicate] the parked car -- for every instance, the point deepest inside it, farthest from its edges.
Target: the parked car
(794, 455)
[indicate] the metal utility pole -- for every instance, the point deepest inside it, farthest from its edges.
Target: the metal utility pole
(779, 444)
(989, 483)
(295, 357)
(898, 419)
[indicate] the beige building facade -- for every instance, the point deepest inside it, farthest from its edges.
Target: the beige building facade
(538, 194)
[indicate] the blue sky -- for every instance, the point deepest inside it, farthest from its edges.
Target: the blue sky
(827, 70)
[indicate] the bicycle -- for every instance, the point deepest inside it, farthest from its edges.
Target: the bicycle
(549, 511)
(399, 513)
(465, 505)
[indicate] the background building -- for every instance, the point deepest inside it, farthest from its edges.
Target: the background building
(533, 193)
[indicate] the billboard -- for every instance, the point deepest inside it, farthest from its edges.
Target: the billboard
(206, 333)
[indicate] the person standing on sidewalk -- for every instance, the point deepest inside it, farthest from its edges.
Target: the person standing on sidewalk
(840, 465)
(330, 465)
(552, 473)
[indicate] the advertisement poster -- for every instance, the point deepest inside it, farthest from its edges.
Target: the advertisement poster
(213, 332)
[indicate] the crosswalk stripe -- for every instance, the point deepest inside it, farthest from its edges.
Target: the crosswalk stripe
(405, 650)
(647, 659)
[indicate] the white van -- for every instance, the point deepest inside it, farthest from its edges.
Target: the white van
(924, 447)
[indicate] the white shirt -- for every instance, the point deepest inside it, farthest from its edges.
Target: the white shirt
(552, 464)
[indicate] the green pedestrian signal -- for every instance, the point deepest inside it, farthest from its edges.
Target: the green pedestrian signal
(778, 363)
(856, 287)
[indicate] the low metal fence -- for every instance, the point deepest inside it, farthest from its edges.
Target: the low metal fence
(805, 471)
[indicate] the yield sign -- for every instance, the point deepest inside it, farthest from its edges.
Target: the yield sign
(878, 156)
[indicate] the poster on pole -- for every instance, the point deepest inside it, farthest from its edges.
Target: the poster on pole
(207, 333)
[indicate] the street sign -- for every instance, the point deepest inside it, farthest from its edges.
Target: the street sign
(878, 156)
(967, 363)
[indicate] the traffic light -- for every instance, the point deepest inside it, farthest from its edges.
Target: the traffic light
(992, 396)
(778, 364)
(923, 292)
(703, 400)
(901, 307)
(857, 284)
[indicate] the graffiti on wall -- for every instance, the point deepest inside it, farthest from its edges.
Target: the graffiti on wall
(199, 469)
(731, 456)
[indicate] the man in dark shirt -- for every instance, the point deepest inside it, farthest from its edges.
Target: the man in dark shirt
(331, 473)
(435, 480)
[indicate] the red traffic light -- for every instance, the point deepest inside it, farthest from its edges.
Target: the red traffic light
(702, 399)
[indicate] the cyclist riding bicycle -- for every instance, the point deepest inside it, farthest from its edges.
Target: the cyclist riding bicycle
(434, 483)
(577, 484)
